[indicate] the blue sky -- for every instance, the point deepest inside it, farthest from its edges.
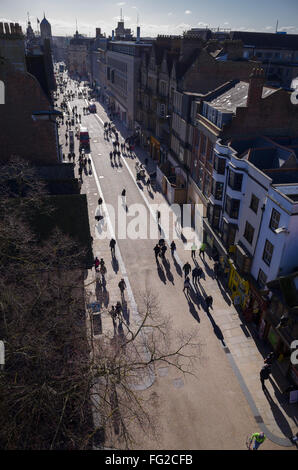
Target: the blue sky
(155, 16)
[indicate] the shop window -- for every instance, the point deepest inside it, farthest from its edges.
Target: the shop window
(254, 203)
(262, 279)
(275, 218)
(268, 252)
(249, 232)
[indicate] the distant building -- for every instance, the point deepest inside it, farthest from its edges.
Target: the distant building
(45, 30)
(78, 57)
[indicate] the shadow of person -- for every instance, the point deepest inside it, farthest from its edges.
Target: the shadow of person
(90, 171)
(150, 194)
(115, 264)
(223, 293)
(112, 164)
(216, 329)
(161, 274)
(278, 415)
(106, 298)
(177, 266)
(193, 311)
(125, 312)
(140, 186)
(168, 271)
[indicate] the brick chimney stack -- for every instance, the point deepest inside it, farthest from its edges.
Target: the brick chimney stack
(255, 89)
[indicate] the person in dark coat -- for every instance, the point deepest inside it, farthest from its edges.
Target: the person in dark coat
(264, 374)
(156, 251)
(186, 268)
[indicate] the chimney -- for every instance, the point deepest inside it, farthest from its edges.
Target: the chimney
(255, 89)
(98, 32)
(138, 34)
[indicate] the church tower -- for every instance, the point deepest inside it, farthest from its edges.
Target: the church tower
(45, 30)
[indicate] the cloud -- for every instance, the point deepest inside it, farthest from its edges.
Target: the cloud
(202, 24)
(187, 12)
(287, 28)
(269, 27)
(170, 13)
(120, 4)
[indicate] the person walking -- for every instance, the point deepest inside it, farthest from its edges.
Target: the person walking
(209, 301)
(264, 374)
(202, 250)
(173, 247)
(118, 310)
(269, 358)
(216, 269)
(200, 272)
(163, 251)
(258, 438)
(186, 268)
(186, 285)
(156, 250)
(123, 195)
(113, 314)
(96, 263)
(193, 250)
(112, 246)
(158, 216)
(195, 274)
(122, 287)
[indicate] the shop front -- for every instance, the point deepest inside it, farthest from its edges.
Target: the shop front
(256, 306)
(239, 288)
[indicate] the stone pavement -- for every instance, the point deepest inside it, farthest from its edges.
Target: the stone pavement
(243, 350)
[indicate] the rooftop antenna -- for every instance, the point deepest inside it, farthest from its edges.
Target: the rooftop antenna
(120, 14)
(276, 26)
(76, 25)
(138, 20)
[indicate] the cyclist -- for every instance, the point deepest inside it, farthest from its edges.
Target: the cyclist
(259, 438)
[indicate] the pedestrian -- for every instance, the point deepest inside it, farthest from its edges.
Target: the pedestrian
(96, 263)
(113, 314)
(259, 438)
(186, 268)
(173, 247)
(200, 272)
(202, 250)
(112, 246)
(118, 309)
(163, 251)
(157, 252)
(264, 374)
(80, 172)
(69, 156)
(186, 285)
(269, 358)
(193, 250)
(122, 286)
(103, 268)
(89, 161)
(209, 301)
(123, 195)
(195, 274)
(216, 269)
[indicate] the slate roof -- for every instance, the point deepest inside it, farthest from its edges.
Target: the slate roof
(267, 40)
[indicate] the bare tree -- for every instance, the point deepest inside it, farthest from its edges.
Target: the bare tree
(61, 387)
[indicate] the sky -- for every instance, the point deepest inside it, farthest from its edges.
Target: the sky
(155, 16)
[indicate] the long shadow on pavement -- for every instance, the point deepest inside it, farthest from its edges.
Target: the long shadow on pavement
(161, 273)
(278, 416)
(169, 275)
(115, 264)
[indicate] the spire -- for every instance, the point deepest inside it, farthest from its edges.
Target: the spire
(120, 14)
(77, 26)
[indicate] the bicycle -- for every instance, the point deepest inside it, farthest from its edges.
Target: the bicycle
(248, 442)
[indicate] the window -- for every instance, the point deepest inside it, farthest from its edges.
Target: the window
(254, 203)
(203, 144)
(262, 278)
(162, 110)
(232, 207)
(219, 165)
(249, 232)
(217, 190)
(274, 221)
(214, 215)
(229, 234)
(235, 181)
(201, 176)
(209, 151)
(206, 190)
(268, 252)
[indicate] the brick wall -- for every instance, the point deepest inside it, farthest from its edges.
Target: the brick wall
(20, 135)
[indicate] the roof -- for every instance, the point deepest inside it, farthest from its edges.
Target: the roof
(270, 157)
(44, 21)
(267, 40)
(236, 97)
